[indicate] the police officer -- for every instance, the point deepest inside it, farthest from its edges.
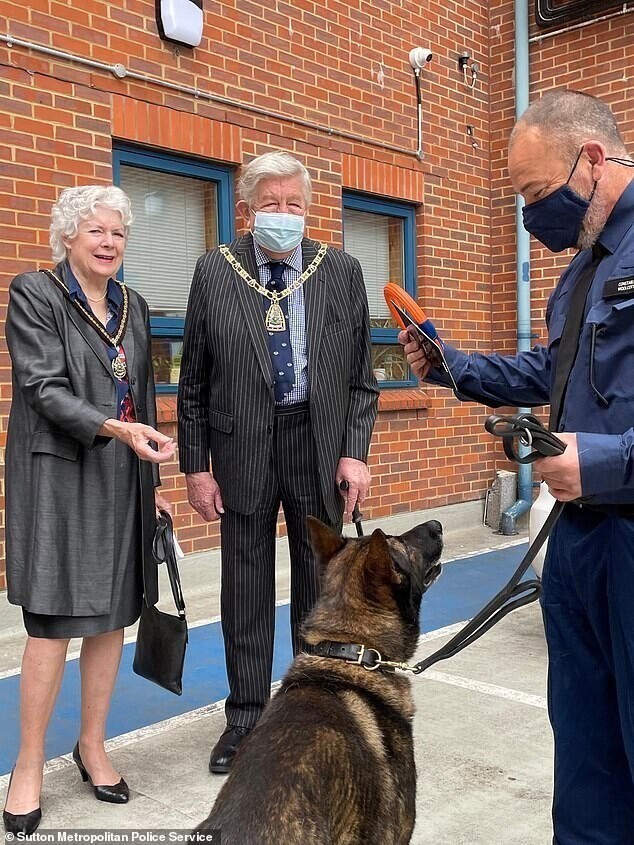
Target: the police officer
(567, 159)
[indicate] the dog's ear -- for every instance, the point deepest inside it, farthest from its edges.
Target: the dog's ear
(381, 567)
(325, 542)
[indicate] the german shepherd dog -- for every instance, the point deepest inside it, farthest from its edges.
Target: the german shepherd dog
(331, 761)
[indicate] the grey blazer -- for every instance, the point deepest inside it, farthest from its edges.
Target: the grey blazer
(226, 402)
(60, 475)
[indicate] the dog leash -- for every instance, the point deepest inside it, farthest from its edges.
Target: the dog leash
(357, 516)
(527, 430)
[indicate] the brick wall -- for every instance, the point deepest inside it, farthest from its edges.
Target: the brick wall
(339, 66)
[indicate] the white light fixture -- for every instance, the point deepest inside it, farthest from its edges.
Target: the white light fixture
(180, 21)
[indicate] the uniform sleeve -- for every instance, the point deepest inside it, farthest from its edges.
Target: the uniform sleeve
(494, 380)
(38, 356)
(606, 462)
(193, 386)
(364, 391)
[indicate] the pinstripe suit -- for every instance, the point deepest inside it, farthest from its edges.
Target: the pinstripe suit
(226, 409)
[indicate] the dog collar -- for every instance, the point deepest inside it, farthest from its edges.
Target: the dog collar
(369, 658)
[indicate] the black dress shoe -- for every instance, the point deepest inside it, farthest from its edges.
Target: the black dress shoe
(118, 793)
(225, 749)
(24, 823)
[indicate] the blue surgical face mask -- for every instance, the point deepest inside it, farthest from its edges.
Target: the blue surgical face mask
(556, 219)
(278, 231)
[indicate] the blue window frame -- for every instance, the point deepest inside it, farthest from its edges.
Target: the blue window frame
(167, 323)
(381, 233)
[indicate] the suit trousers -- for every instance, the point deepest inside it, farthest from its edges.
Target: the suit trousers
(247, 601)
(588, 602)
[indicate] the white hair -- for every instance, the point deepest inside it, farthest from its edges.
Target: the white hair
(76, 204)
(270, 165)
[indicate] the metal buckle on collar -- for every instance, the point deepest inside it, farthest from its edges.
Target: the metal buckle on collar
(377, 660)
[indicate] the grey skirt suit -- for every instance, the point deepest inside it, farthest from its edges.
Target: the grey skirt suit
(79, 507)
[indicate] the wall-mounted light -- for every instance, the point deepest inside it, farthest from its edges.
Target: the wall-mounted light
(469, 68)
(180, 21)
(419, 57)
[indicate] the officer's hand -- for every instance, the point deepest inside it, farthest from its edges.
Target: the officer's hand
(204, 495)
(562, 472)
(416, 358)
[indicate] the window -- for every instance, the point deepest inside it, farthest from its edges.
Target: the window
(182, 207)
(561, 12)
(380, 234)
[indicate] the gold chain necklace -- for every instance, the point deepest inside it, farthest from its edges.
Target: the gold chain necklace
(275, 320)
(118, 364)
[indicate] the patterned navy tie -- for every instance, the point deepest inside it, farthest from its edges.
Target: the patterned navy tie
(280, 342)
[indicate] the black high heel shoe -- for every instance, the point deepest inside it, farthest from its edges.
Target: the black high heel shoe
(24, 823)
(118, 793)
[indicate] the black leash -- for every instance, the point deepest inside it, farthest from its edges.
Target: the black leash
(357, 516)
(527, 430)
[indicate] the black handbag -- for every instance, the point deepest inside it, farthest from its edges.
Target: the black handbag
(162, 638)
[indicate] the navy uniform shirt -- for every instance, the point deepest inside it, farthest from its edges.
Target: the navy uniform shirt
(599, 400)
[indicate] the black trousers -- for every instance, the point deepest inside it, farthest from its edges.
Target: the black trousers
(247, 601)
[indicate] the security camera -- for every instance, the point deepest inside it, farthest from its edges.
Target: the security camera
(419, 56)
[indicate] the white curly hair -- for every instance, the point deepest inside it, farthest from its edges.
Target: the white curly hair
(76, 204)
(276, 163)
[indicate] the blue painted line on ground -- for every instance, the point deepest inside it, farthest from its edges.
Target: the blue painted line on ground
(464, 587)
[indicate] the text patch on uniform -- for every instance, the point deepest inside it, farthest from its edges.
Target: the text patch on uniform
(618, 287)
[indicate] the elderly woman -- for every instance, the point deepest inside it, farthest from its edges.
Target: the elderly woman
(81, 475)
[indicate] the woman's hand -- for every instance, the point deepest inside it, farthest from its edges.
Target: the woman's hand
(161, 503)
(139, 438)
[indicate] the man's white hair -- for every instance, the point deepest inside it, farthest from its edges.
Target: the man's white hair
(272, 165)
(77, 204)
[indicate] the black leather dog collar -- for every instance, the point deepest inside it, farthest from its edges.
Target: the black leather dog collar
(369, 658)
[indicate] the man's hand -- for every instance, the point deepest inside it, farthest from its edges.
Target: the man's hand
(357, 474)
(416, 358)
(204, 495)
(562, 473)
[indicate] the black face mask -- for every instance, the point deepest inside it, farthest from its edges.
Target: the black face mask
(555, 220)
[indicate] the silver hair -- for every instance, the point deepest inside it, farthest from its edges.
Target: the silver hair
(568, 118)
(76, 204)
(271, 165)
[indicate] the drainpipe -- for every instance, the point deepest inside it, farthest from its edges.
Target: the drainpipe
(524, 501)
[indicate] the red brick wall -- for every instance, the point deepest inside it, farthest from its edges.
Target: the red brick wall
(345, 67)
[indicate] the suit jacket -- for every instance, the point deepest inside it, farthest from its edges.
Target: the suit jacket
(226, 402)
(60, 474)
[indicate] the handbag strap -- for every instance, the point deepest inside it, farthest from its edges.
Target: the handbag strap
(164, 552)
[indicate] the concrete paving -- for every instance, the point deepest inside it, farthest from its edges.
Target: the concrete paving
(483, 743)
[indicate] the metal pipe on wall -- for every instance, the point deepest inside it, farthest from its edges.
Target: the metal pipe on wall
(524, 501)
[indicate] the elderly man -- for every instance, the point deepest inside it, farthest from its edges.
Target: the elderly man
(568, 161)
(277, 386)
